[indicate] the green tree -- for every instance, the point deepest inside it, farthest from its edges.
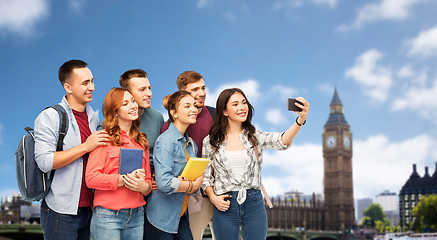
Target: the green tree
(374, 212)
(374, 216)
(425, 213)
(367, 222)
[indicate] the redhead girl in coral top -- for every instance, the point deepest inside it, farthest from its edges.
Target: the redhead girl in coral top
(118, 211)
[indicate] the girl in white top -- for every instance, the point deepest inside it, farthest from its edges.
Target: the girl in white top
(233, 177)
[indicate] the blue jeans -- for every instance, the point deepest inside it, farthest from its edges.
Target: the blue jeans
(63, 226)
(184, 232)
(251, 216)
(117, 224)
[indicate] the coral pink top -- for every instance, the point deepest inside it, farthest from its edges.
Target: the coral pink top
(102, 174)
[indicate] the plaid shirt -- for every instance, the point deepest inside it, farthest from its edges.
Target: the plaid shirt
(225, 181)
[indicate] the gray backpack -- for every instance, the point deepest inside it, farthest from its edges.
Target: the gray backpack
(32, 182)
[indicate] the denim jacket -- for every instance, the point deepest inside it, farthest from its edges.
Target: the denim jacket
(165, 204)
(64, 193)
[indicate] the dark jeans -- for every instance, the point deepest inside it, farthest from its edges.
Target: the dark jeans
(63, 226)
(251, 216)
(147, 226)
(184, 232)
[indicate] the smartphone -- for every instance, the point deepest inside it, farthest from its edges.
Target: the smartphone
(292, 106)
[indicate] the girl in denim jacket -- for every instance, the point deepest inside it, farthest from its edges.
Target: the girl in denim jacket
(167, 207)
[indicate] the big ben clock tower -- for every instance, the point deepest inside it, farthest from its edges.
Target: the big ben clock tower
(337, 155)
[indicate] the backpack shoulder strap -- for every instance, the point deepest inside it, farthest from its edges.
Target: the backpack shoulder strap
(63, 127)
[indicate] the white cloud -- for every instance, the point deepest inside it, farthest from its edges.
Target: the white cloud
(203, 3)
(287, 4)
(230, 16)
(275, 116)
(419, 98)
(76, 5)
(21, 16)
(327, 88)
(383, 10)
(378, 164)
(376, 80)
(250, 88)
(330, 3)
(290, 5)
(406, 71)
(303, 167)
(284, 92)
(425, 44)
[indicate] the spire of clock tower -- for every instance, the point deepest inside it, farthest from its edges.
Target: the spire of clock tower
(336, 115)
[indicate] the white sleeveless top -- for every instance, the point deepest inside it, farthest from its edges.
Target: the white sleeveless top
(238, 161)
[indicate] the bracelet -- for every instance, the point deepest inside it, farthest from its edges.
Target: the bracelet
(190, 186)
(300, 125)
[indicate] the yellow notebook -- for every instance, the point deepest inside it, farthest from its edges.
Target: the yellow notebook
(194, 168)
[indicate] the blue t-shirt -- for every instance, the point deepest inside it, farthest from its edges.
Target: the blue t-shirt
(151, 123)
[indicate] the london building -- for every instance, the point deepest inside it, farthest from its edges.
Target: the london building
(390, 205)
(414, 188)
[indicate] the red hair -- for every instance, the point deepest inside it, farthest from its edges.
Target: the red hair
(113, 101)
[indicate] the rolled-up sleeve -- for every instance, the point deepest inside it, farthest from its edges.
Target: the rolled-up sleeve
(208, 174)
(271, 140)
(46, 137)
(163, 162)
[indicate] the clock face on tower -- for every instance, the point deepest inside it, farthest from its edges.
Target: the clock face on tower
(331, 141)
(346, 142)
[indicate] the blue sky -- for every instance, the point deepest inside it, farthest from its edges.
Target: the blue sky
(381, 55)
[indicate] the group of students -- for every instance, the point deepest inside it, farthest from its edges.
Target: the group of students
(90, 198)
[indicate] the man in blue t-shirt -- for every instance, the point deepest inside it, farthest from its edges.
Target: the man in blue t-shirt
(137, 83)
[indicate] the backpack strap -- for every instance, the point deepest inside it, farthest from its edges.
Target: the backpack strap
(63, 127)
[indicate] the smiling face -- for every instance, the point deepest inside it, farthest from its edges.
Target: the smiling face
(198, 91)
(236, 108)
(79, 86)
(128, 111)
(186, 111)
(141, 90)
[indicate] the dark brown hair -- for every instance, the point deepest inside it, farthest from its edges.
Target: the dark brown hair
(113, 101)
(126, 76)
(217, 133)
(186, 78)
(171, 102)
(66, 69)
